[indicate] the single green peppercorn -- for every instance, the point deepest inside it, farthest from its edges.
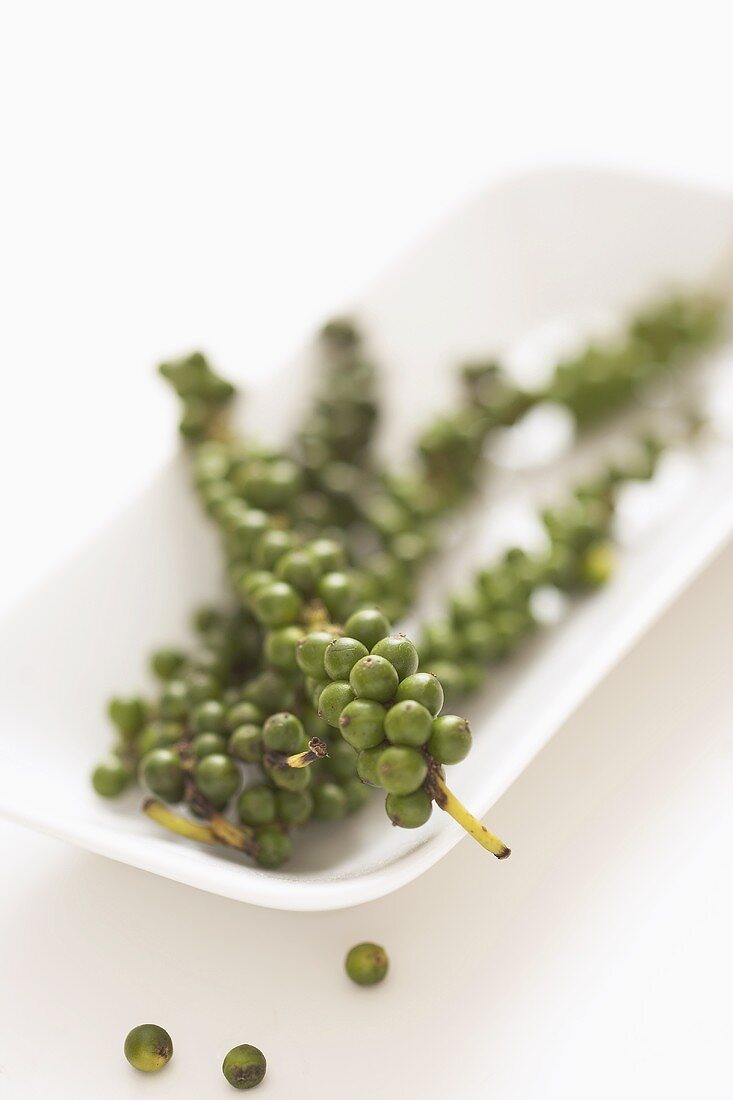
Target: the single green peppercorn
(161, 771)
(256, 806)
(110, 777)
(597, 564)
(341, 656)
(409, 811)
(362, 723)
(401, 770)
(332, 700)
(367, 765)
(167, 663)
(209, 717)
(400, 652)
(368, 625)
(284, 732)
(148, 1047)
(204, 744)
(273, 849)
(338, 592)
(408, 723)
(289, 779)
(245, 1065)
(424, 688)
(329, 802)
(244, 714)
(300, 569)
(328, 554)
(281, 647)
(276, 604)
(374, 678)
(341, 760)
(450, 739)
(127, 715)
(294, 807)
(218, 778)
(205, 618)
(311, 651)
(367, 964)
(245, 743)
(201, 686)
(174, 701)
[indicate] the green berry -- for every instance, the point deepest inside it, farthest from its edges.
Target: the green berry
(127, 715)
(597, 564)
(341, 760)
(450, 739)
(209, 717)
(362, 723)
(276, 604)
(201, 686)
(167, 663)
(357, 794)
(110, 777)
(289, 779)
(374, 678)
(338, 592)
(299, 568)
(174, 701)
(284, 732)
(329, 802)
(245, 743)
(424, 688)
(243, 714)
(273, 849)
(245, 1065)
(409, 811)
(408, 723)
(401, 770)
(333, 699)
(400, 652)
(311, 651)
(206, 618)
(148, 1048)
(367, 964)
(328, 554)
(452, 678)
(294, 807)
(341, 656)
(281, 648)
(217, 777)
(204, 744)
(368, 625)
(256, 806)
(161, 771)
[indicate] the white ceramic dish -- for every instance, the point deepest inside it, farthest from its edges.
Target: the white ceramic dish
(547, 244)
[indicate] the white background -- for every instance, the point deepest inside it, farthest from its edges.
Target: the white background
(224, 174)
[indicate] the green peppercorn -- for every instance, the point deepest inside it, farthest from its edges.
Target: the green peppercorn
(357, 794)
(161, 771)
(167, 663)
(310, 653)
(367, 765)
(276, 604)
(408, 723)
(245, 743)
(294, 807)
(341, 655)
(256, 806)
(328, 554)
(332, 700)
(338, 592)
(597, 564)
(400, 652)
(127, 715)
(401, 770)
(204, 744)
(368, 625)
(243, 714)
(329, 802)
(218, 778)
(450, 739)
(148, 1048)
(209, 717)
(367, 964)
(110, 777)
(289, 779)
(271, 547)
(174, 701)
(424, 688)
(284, 732)
(341, 760)
(409, 811)
(362, 723)
(280, 647)
(273, 849)
(374, 678)
(201, 686)
(244, 1066)
(300, 569)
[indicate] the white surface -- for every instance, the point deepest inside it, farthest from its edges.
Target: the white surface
(593, 963)
(129, 138)
(131, 588)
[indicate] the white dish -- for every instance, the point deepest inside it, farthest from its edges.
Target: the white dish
(542, 246)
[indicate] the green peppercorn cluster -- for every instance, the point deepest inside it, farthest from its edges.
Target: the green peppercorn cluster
(297, 697)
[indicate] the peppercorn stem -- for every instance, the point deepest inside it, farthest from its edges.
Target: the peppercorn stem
(448, 802)
(159, 812)
(316, 750)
